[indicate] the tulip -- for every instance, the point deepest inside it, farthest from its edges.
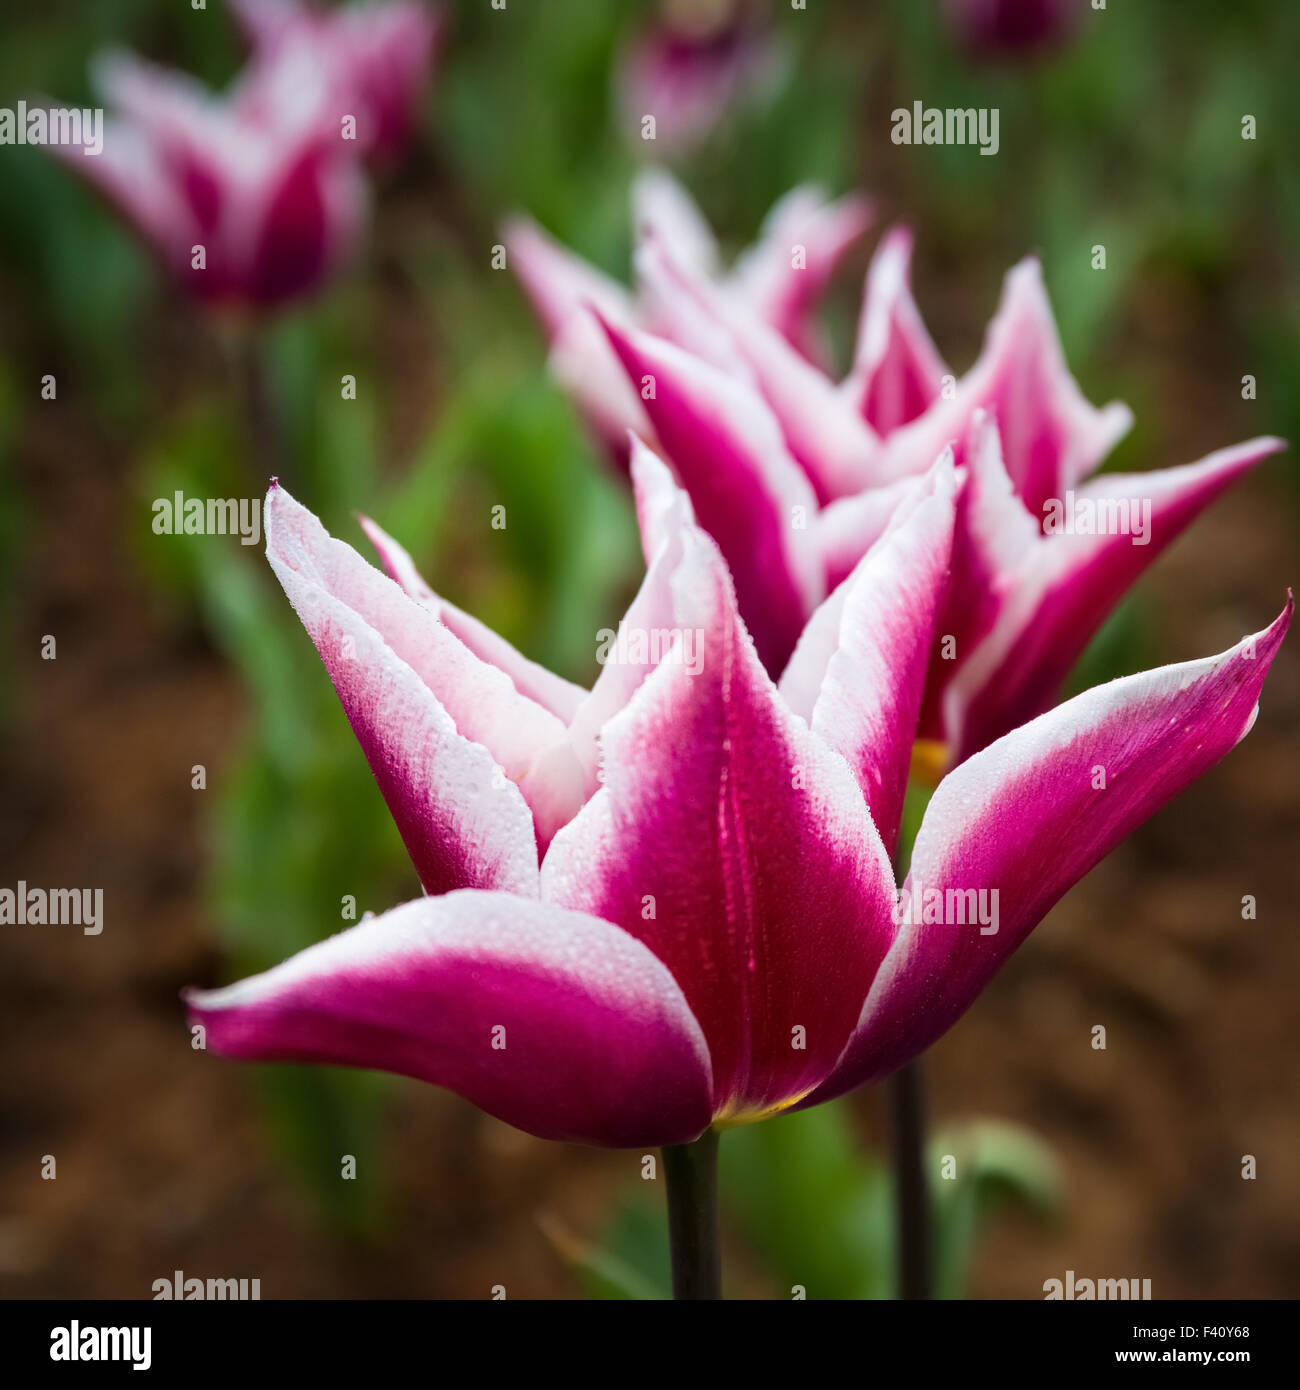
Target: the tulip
(779, 280)
(695, 64)
(665, 906)
(375, 59)
(795, 476)
(1011, 26)
(245, 199)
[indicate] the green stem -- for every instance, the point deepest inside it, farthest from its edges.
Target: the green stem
(692, 1178)
(245, 346)
(911, 1191)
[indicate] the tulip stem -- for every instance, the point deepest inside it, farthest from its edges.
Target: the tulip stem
(266, 442)
(911, 1191)
(245, 348)
(692, 1176)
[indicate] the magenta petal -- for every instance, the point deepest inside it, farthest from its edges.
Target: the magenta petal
(738, 847)
(835, 447)
(881, 625)
(1029, 816)
(993, 534)
(464, 821)
(1065, 586)
(747, 491)
(897, 371)
(557, 1023)
(1051, 435)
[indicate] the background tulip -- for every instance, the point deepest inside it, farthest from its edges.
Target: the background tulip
(374, 57)
(248, 199)
(1011, 27)
(796, 477)
(780, 279)
(691, 67)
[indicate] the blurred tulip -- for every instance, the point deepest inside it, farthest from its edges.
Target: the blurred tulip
(247, 199)
(651, 888)
(696, 63)
(375, 59)
(1011, 26)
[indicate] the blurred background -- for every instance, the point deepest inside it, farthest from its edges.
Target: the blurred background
(173, 652)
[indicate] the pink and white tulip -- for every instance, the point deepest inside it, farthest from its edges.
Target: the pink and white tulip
(795, 476)
(692, 67)
(779, 280)
(666, 903)
(247, 199)
(375, 58)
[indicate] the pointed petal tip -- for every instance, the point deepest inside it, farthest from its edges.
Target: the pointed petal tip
(1273, 634)
(603, 1047)
(895, 249)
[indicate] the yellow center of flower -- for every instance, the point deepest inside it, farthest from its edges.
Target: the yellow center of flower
(730, 1116)
(929, 761)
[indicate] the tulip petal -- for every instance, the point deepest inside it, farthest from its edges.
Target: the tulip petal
(993, 534)
(739, 848)
(263, 22)
(1066, 584)
(563, 290)
(680, 304)
(869, 696)
(897, 371)
(835, 447)
(392, 663)
(130, 176)
(664, 211)
(1029, 817)
(747, 491)
(847, 528)
(646, 630)
(481, 698)
(1051, 435)
(552, 692)
(802, 241)
(557, 1023)
(557, 282)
